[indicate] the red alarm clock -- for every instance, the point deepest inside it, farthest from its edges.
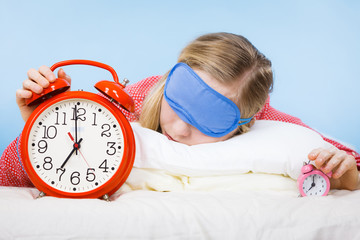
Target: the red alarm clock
(78, 144)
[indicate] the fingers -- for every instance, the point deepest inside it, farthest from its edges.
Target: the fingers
(21, 95)
(37, 81)
(332, 160)
(349, 163)
(63, 75)
(47, 73)
(32, 86)
(322, 157)
(40, 79)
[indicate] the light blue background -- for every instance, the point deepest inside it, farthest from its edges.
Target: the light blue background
(314, 47)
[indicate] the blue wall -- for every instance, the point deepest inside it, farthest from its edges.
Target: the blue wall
(314, 47)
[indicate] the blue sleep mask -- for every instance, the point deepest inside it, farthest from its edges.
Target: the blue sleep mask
(199, 105)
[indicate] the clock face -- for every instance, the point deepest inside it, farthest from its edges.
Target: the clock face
(76, 145)
(314, 185)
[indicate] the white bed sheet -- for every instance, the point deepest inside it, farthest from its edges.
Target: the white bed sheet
(199, 192)
(268, 207)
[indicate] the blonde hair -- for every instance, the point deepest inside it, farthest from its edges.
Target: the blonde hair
(228, 58)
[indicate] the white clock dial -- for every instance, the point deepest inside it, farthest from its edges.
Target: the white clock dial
(76, 154)
(314, 185)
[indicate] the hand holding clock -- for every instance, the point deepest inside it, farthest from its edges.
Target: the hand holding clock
(345, 174)
(36, 82)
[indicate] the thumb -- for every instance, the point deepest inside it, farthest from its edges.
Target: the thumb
(63, 75)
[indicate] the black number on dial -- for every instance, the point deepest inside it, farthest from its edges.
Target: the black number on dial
(75, 178)
(90, 175)
(104, 166)
(94, 124)
(62, 170)
(57, 119)
(50, 132)
(106, 132)
(42, 144)
(47, 163)
(80, 114)
(112, 149)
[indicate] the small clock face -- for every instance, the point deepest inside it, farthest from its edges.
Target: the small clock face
(314, 185)
(76, 145)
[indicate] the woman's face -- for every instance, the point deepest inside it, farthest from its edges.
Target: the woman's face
(178, 130)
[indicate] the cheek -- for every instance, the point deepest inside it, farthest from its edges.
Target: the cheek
(199, 137)
(166, 113)
(220, 139)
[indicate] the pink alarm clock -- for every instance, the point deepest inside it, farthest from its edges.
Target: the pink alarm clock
(313, 182)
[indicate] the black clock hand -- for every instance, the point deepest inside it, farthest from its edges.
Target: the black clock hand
(75, 125)
(312, 185)
(75, 147)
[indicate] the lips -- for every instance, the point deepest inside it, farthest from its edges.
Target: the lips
(169, 137)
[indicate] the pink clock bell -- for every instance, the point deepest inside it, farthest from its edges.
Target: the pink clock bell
(313, 182)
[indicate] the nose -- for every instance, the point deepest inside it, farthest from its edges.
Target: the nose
(181, 130)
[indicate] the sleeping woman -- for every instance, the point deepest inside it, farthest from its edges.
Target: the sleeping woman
(218, 89)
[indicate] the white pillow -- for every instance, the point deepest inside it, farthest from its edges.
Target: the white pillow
(269, 147)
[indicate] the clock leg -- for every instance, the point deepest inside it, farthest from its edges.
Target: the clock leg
(106, 198)
(41, 194)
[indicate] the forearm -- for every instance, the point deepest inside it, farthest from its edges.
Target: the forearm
(12, 172)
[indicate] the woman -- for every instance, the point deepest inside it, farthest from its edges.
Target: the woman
(218, 89)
